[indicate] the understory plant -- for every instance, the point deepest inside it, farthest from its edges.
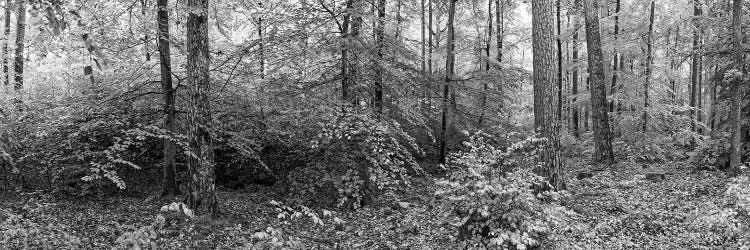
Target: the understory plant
(490, 197)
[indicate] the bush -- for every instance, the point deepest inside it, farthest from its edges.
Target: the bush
(495, 208)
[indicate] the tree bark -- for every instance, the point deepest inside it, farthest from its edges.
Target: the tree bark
(485, 85)
(201, 187)
(735, 149)
(380, 43)
(345, 81)
(695, 74)
(449, 63)
(544, 76)
(614, 88)
(649, 65)
(500, 16)
(559, 63)
(421, 34)
(6, 41)
(169, 182)
(574, 88)
(602, 132)
(20, 43)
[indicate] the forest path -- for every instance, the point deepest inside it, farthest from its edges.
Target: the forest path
(619, 208)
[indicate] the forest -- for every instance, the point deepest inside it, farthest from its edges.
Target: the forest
(353, 124)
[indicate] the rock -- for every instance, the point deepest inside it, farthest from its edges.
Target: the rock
(656, 177)
(584, 175)
(404, 205)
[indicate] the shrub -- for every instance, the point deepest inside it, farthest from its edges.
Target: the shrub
(495, 208)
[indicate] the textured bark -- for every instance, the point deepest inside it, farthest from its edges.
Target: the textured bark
(544, 76)
(602, 133)
(449, 63)
(169, 182)
(487, 48)
(695, 69)
(429, 42)
(500, 16)
(649, 65)
(574, 88)
(345, 95)
(559, 63)
(380, 43)
(20, 43)
(735, 149)
(6, 41)
(201, 188)
(614, 88)
(421, 34)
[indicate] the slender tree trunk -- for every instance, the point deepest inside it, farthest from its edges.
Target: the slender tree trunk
(169, 181)
(714, 106)
(6, 41)
(574, 91)
(602, 132)
(614, 88)
(735, 152)
(345, 81)
(500, 17)
(545, 76)
(695, 74)
(380, 37)
(421, 34)
(488, 45)
(429, 54)
(146, 47)
(201, 188)
(559, 63)
(20, 43)
(448, 78)
(649, 65)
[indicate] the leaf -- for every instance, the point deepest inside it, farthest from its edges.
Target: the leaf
(88, 70)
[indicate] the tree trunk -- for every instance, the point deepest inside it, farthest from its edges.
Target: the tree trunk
(6, 41)
(602, 132)
(559, 63)
(169, 182)
(421, 34)
(735, 152)
(448, 78)
(614, 88)
(695, 74)
(429, 41)
(574, 88)
(487, 48)
(345, 81)
(500, 16)
(201, 187)
(380, 37)
(649, 65)
(20, 43)
(545, 116)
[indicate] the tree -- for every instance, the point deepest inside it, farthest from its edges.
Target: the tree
(574, 88)
(735, 149)
(545, 116)
(169, 182)
(559, 62)
(449, 63)
(6, 41)
(614, 88)
(649, 65)
(600, 120)
(201, 188)
(380, 37)
(695, 69)
(20, 43)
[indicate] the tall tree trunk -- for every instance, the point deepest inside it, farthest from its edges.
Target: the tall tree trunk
(574, 90)
(346, 96)
(146, 47)
(559, 63)
(380, 37)
(20, 43)
(169, 181)
(714, 106)
(614, 88)
(421, 34)
(500, 17)
(649, 65)
(602, 132)
(545, 114)
(735, 149)
(695, 74)
(201, 188)
(6, 41)
(488, 45)
(429, 39)
(449, 62)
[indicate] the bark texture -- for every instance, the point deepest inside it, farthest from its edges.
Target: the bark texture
(600, 120)
(449, 62)
(6, 41)
(201, 187)
(735, 149)
(20, 43)
(545, 79)
(169, 181)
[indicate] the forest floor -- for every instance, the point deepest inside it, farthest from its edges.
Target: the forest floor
(616, 209)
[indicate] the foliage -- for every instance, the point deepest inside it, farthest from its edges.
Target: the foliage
(712, 153)
(141, 237)
(495, 208)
